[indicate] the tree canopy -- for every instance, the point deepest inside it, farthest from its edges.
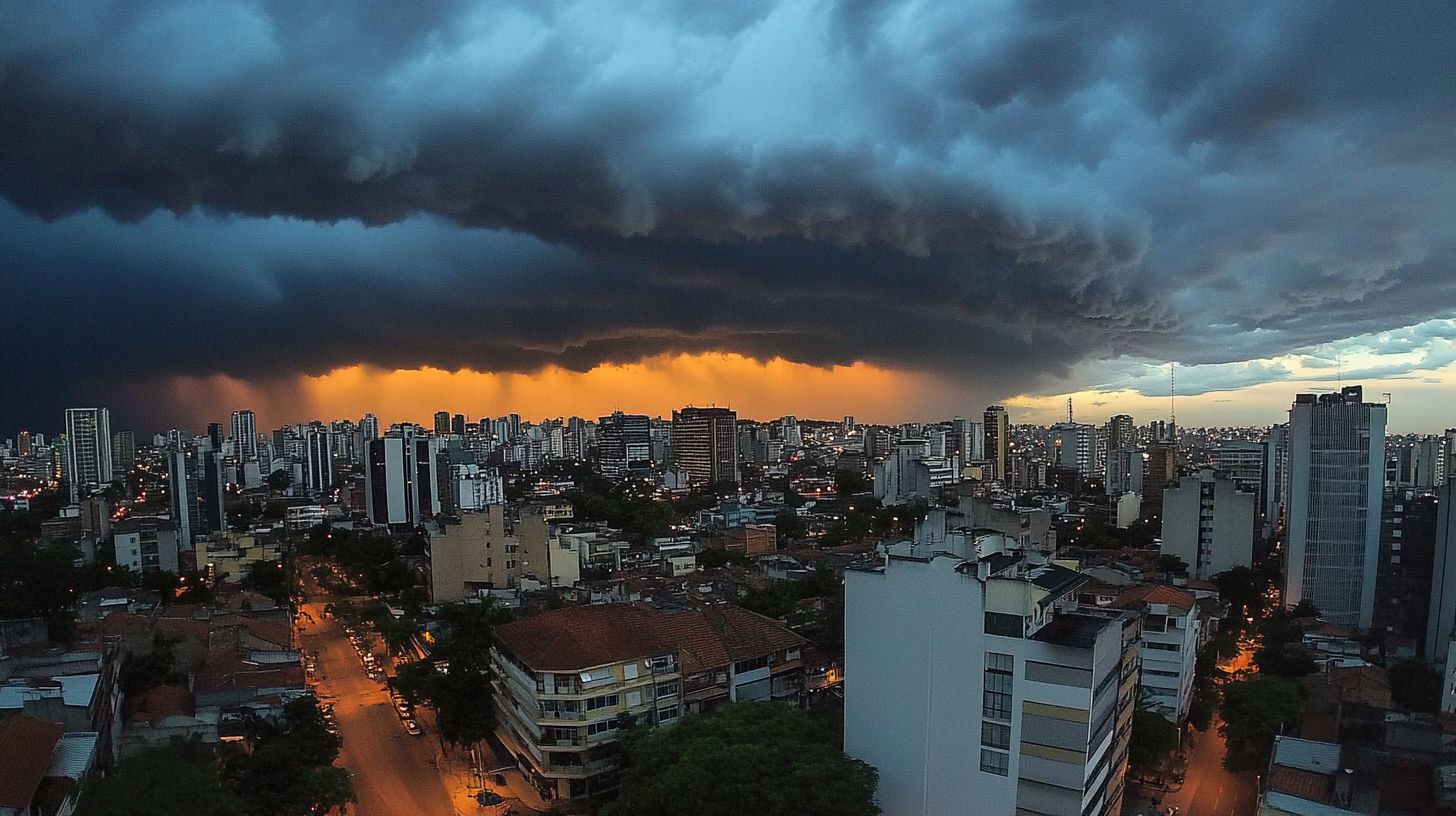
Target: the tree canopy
(1415, 685)
(180, 779)
(1253, 712)
(748, 758)
(461, 695)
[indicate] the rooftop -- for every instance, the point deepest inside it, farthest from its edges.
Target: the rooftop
(1154, 594)
(26, 748)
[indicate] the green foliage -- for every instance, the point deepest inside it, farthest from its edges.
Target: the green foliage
(180, 779)
(1285, 660)
(279, 480)
(1204, 703)
(1153, 738)
(1415, 686)
(1253, 712)
(789, 525)
(1172, 564)
(749, 758)
(38, 580)
(851, 482)
(713, 558)
(1304, 609)
(141, 672)
(461, 697)
(289, 771)
(268, 578)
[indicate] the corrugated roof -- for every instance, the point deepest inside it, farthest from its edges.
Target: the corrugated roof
(1304, 784)
(26, 746)
(1308, 755)
(74, 754)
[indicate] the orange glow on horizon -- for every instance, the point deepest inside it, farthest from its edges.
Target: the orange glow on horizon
(654, 386)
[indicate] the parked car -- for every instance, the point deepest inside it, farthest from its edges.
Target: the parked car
(413, 728)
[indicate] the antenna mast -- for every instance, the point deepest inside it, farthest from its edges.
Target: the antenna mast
(1172, 397)
(1069, 410)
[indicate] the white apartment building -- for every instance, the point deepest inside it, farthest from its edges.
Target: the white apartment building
(942, 648)
(1168, 646)
(1209, 523)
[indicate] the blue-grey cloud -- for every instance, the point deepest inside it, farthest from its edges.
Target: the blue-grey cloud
(996, 193)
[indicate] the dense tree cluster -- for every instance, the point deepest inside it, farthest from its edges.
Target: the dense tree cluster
(746, 758)
(460, 694)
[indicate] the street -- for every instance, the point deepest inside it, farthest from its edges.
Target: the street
(394, 773)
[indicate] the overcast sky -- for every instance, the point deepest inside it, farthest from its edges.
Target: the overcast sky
(919, 208)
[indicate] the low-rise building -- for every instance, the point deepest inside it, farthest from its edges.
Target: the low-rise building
(566, 680)
(1169, 645)
(146, 544)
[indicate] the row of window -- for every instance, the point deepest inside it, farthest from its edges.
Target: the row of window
(996, 705)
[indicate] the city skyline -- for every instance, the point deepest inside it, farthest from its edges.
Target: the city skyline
(768, 193)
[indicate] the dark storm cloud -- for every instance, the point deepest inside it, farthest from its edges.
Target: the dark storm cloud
(996, 194)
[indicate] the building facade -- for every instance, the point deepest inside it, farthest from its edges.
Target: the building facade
(996, 430)
(705, 444)
(88, 450)
(1336, 473)
(1208, 521)
(941, 649)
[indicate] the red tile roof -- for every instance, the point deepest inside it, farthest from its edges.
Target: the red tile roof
(580, 637)
(156, 703)
(1154, 594)
(26, 747)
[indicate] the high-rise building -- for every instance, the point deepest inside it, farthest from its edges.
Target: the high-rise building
(1275, 491)
(1073, 446)
(1336, 473)
(401, 478)
(442, 423)
(195, 492)
(1042, 691)
(1208, 521)
(88, 449)
(244, 428)
(997, 432)
(457, 425)
(705, 444)
(624, 444)
(1441, 614)
(369, 427)
(1407, 559)
(214, 435)
(1160, 466)
(123, 452)
(1121, 433)
(25, 444)
(318, 458)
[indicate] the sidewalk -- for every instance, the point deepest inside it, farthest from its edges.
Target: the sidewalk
(463, 783)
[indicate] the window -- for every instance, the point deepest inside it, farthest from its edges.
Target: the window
(791, 653)
(1155, 623)
(745, 666)
(601, 727)
(997, 706)
(995, 762)
(667, 689)
(604, 701)
(661, 662)
(597, 675)
(995, 735)
(669, 713)
(629, 671)
(999, 662)
(1165, 647)
(1159, 673)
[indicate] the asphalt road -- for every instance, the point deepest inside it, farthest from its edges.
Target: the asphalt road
(394, 773)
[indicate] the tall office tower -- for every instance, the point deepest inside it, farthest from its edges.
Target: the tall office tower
(195, 493)
(1043, 692)
(1208, 521)
(369, 426)
(938, 441)
(515, 422)
(1073, 446)
(1407, 558)
(1447, 470)
(705, 444)
(624, 444)
(123, 452)
(1121, 433)
(848, 425)
(1332, 543)
(457, 424)
(318, 458)
(1160, 466)
(997, 431)
(88, 449)
(1441, 615)
(401, 478)
(25, 445)
(214, 435)
(244, 428)
(442, 423)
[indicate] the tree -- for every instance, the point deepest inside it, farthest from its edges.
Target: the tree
(1253, 712)
(1172, 564)
(1153, 738)
(746, 758)
(713, 558)
(289, 771)
(268, 578)
(1244, 589)
(461, 695)
(142, 672)
(279, 480)
(1285, 660)
(1415, 685)
(789, 525)
(180, 779)
(850, 482)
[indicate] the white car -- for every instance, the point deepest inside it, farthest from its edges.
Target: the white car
(413, 728)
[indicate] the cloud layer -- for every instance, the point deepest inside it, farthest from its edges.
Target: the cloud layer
(992, 193)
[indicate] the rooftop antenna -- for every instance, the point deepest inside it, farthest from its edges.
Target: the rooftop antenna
(1069, 410)
(1339, 368)
(1172, 396)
